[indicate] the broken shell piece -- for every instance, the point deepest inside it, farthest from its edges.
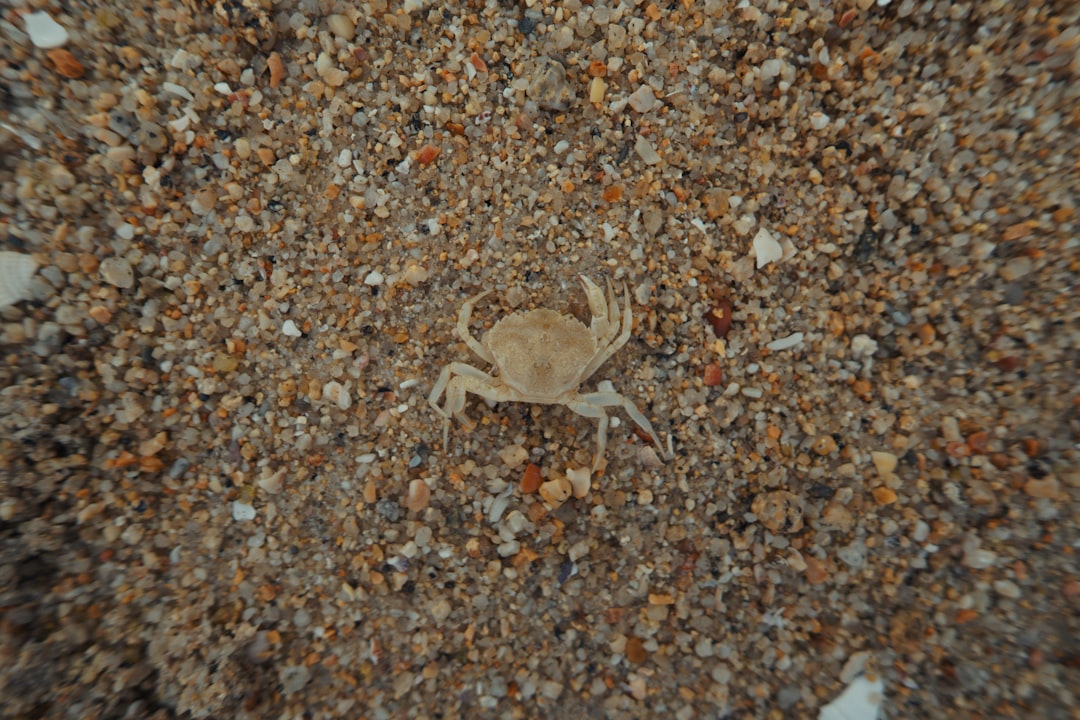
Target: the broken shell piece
(766, 248)
(16, 272)
(556, 492)
(580, 481)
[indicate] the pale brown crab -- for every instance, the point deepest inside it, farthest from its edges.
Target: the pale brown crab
(542, 356)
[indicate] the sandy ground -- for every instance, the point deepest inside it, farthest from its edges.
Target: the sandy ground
(848, 233)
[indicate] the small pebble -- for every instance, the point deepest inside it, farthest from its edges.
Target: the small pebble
(580, 481)
(556, 492)
(646, 151)
(786, 342)
(779, 511)
(885, 462)
(44, 32)
(712, 375)
(117, 272)
(514, 455)
(531, 479)
(719, 317)
(289, 329)
(766, 248)
(643, 99)
(419, 495)
(549, 88)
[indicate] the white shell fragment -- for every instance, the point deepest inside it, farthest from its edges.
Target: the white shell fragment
(16, 272)
(44, 32)
(860, 701)
(580, 480)
(786, 342)
(766, 248)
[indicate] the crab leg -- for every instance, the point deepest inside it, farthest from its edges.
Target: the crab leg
(593, 411)
(453, 380)
(463, 328)
(601, 316)
(606, 352)
(614, 399)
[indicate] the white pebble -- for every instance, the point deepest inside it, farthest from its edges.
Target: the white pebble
(16, 272)
(643, 99)
(179, 91)
(1007, 588)
(242, 512)
(44, 32)
(788, 342)
(223, 88)
(337, 394)
(514, 455)
(863, 345)
(766, 248)
(290, 329)
(580, 479)
(374, 278)
(646, 151)
(819, 120)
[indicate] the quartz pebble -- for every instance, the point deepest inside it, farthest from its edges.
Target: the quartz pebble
(548, 87)
(766, 248)
(117, 272)
(643, 99)
(44, 32)
(556, 491)
(16, 271)
(514, 455)
(646, 151)
(580, 481)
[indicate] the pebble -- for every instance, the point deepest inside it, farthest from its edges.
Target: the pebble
(580, 481)
(778, 511)
(719, 317)
(294, 678)
(419, 495)
(16, 272)
(1007, 589)
(549, 88)
(712, 375)
(242, 512)
(289, 329)
(885, 462)
(1016, 268)
(766, 248)
(786, 342)
(646, 151)
(643, 99)
(374, 278)
(863, 346)
(117, 272)
(824, 445)
(341, 26)
(440, 610)
(514, 455)
(531, 479)
(556, 492)
(44, 32)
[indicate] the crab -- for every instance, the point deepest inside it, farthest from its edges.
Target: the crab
(542, 356)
